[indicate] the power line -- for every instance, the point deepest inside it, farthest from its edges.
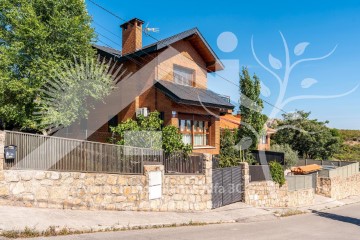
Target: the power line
(107, 30)
(147, 34)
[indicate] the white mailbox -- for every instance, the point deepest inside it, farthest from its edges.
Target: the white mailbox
(155, 185)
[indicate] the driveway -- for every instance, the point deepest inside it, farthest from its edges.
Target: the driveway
(340, 223)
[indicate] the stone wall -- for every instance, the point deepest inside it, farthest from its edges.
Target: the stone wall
(270, 194)
(71, 190)
(189, 192)
(2, 145)
(338, 187)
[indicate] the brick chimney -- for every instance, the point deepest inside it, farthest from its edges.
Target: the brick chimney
(131, 36)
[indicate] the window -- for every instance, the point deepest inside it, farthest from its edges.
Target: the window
(183, 76)
(113, 122)
(194, 132)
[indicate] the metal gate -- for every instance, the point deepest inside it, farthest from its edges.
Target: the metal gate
(226, 186)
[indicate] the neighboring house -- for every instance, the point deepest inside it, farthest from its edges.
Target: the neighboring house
(179, 91)
(230, 121)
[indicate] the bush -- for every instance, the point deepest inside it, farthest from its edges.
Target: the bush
(229, 156)
(277, 173)
(171, 138)
(172, 141)
(291, 156)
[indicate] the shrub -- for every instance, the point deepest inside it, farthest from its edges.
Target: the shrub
(171, 138)
(172, 141)
(291, 156)
(229, 155)
(277, 172)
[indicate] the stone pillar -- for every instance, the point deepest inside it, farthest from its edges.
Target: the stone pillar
(153, 205)
(207, 165)
(245, 181)
(2, 145)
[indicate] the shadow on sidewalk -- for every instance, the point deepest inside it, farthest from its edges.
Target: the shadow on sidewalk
(355, 221)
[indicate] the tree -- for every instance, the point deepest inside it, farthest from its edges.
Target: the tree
(310, 137)
(229, 155)
(71, 93)
(37, 38)
(291, 156)
(251, 106)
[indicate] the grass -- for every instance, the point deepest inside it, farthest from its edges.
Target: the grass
(53, 231)
(290, 212)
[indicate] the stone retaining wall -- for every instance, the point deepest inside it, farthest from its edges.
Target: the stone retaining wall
(2, 143)
(338, 187)
(71, 190)
(94, 191)
(270, 194)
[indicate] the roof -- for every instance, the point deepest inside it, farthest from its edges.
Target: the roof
(193, 35)
(111, 51)
(192, 96)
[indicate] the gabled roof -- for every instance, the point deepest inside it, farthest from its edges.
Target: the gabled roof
(193, 35)
(192, 96)
(111, 51)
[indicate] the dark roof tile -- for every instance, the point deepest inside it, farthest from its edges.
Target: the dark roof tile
(192, 96)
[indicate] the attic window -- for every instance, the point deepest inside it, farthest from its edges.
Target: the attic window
(184, 76)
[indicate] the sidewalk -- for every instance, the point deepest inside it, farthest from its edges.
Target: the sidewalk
(18, 218)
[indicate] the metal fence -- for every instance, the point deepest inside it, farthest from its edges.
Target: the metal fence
(304, 162)
(299, 182)
(226, 186)
(180, 163)
(264, 157)
(259, 173)
(38, 152)
(343, 172)
(333, 168)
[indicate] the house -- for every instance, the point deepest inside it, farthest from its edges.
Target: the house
(171, 77)
(231, 122)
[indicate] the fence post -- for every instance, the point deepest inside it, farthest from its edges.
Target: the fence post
(305, 161)
(142, 159)
(245, 181)
(2, 145)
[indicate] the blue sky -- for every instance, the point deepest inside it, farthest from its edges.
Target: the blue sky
(324, 24)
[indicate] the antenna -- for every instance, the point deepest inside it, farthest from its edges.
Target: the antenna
(154, 30)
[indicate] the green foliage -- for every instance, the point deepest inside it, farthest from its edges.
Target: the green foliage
(277, 172)
(69, 95)
(309, 137)
(123, 127)
(348, 153)
(251, 106)
(350, 135)
(172, 141)
(229, 155)
(350, 149)
(291, 156)
(37, 38)
(171, 138)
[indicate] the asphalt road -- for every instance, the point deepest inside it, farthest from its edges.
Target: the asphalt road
(340, 223)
